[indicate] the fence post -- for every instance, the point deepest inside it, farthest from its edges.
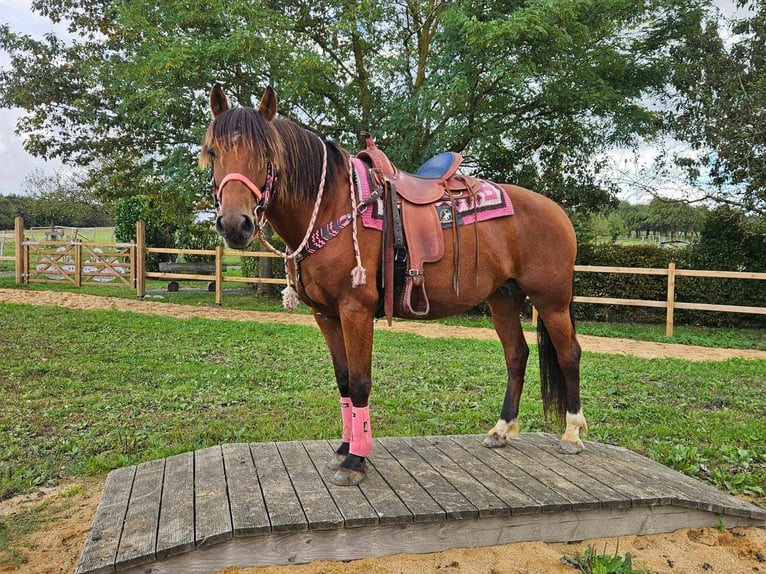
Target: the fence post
(218, 274)
(18, 227)
(78, 264)
(140, 258)
(671, 298)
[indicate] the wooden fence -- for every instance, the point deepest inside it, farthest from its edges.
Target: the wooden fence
(79, 262)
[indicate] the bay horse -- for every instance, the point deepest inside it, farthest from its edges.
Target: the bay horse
(268, 169)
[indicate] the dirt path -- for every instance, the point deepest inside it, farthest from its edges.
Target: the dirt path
(643, 349)
(70, 507)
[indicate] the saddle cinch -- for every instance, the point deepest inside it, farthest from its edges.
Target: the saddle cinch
(412, 231)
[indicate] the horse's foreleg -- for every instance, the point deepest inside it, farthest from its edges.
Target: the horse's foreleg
(333, 336)
(357, 334)
(505, 316)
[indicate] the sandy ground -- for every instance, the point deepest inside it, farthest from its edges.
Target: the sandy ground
(643, 349)
(56, 548)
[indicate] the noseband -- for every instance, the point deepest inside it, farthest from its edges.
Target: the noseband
(262, 197)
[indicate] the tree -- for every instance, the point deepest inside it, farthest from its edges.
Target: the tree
(530, 92)
(671, 217)
(720, 80)
(60, 200)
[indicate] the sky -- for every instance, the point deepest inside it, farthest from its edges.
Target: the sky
(15, 163)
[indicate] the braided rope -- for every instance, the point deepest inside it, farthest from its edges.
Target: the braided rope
(285, 254)
(358, 273)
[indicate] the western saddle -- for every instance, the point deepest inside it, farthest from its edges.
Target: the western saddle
(412, 230)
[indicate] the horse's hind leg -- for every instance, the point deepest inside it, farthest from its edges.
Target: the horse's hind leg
(561, 390)
(506, 307)
(333, 336)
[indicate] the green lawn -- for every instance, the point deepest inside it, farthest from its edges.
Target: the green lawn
(83, 392)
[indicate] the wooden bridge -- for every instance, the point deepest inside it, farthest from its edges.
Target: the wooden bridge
(273, 503)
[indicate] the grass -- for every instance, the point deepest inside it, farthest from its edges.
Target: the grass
(589, 562)
(83, 392)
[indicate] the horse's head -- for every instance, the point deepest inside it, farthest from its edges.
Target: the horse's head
(241, 145)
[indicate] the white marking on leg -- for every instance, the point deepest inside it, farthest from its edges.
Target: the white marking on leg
(571, 442)
(504, 430)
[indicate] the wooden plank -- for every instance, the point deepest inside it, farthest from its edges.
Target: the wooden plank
(546, 498)
(282, 504)
(418, 502)
(474, 463)
(318, 506)
(175, 533)
(686, 491)
(380, 495)
(459, 477)
(100, 549)
(578, 497)
(455, 505)
(248, 511)
(570, 468)
(139, 536)
(353, 505)
(212, 516)
(634, 488)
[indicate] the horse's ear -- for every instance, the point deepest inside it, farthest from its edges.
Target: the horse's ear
(218, 101)
(268, 107)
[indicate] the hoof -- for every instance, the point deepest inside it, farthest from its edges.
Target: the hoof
(494, 442)
(337, 460)
(347, 477)
(571, 447)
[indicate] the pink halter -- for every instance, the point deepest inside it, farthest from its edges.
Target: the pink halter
(261, 197)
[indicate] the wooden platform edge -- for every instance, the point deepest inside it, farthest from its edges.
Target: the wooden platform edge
(425, 537)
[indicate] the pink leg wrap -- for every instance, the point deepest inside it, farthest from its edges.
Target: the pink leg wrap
(345, 412)
(361, 434)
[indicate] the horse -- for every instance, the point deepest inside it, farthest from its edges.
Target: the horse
(269, 170)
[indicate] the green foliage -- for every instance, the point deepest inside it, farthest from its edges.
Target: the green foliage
(622, 286)
(129, 210)
(589, 562)
(720, 81)
(531, 92)
(251, 265)
(728, 242)
(197, 236)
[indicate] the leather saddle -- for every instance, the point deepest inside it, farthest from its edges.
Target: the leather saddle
(412, 231)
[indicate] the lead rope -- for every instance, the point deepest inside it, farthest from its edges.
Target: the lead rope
(289, 295)
(290, 298)
(358, 273)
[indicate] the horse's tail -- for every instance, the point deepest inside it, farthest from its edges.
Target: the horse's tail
(552, 383)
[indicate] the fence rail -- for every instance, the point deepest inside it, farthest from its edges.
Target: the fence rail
(80, 262)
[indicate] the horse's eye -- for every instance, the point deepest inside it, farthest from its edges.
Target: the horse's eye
(211, 153)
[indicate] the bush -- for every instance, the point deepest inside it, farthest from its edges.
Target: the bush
(129, 210)
(729, 241)
(197, 236)
(622, 286)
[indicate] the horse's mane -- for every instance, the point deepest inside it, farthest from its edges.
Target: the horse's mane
(295, 152)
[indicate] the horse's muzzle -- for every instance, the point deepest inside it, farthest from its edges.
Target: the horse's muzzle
(237, 230)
